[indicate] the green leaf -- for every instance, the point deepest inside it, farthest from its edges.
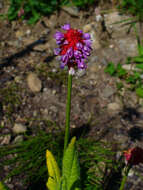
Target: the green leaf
(138, 59)
(119, 85)
(110, 69)
(120, 71)
(140, 49)
(139, 92)
(140, 66)
(34, 19)
(71, 170)
(3, 186)
(53, 170)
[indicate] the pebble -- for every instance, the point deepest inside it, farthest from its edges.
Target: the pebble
(88, 27)
(108, 91)
(35, 113)
(11, 186)
(18, 139)
(19, 128)
(28, 32)
(34, 83)
(95, 40)
(54, 109)
(17, 79)
(54, 92)
(1, 5)
(5, 139)
(73, 11)
(114, 107)
(19, 34)
(112, 18)
(129, 67)
(80, 72)
(99, 18)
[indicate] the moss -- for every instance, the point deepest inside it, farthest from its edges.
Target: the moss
(10, 97)
(59, 77)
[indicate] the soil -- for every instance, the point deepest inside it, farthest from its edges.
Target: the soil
(113, 116)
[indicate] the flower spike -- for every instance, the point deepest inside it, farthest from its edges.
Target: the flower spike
(74, 47)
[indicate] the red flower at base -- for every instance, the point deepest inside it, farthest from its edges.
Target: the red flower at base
(134, 156)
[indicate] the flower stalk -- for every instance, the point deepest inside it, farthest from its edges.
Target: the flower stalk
(127, 169)
(68, 108)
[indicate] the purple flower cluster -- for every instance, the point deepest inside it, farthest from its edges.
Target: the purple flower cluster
(74, 47)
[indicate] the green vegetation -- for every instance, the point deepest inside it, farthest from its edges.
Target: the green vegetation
(134, 76)
(45, 70)
(11, 99)
(134, 7)
(28, 158)
(32, 10)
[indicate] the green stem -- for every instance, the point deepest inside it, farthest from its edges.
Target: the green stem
(68, 108)
(125, 178)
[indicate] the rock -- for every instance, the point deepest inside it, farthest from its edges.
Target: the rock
(99, 18)
(130, 67)
(34, 83)
(18, 139)
(4, 140)
(54, 109)
(127, 46)
(50, 22)
(1, 4)
(95, 40)
(40, 47)
(19, 128)
(11, 186)
(114, 107)
(80, 73)
(73, 11)
(108, 91)
(112, 23)
(121, 139)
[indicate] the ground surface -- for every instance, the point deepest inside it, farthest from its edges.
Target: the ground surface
(33, 88)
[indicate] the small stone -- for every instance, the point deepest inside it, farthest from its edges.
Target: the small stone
(73, 11)
(73, 126)
(54, 70)
(1, 5)
(80, 72)
(99, 18)
(19, 34)
(130, 67)
(45, 89)
(5, 139)
(19, 128)
(54, 109)
(95, 40)
(28, 32)
(17, 79)
(108, 91)
(54, 92)
(40, 47)
(34, 83)
(11, 186)
(18, 139)
(35, 113)
(114, 107)
(88, 27)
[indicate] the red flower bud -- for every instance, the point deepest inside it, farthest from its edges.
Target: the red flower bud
(134, 156)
